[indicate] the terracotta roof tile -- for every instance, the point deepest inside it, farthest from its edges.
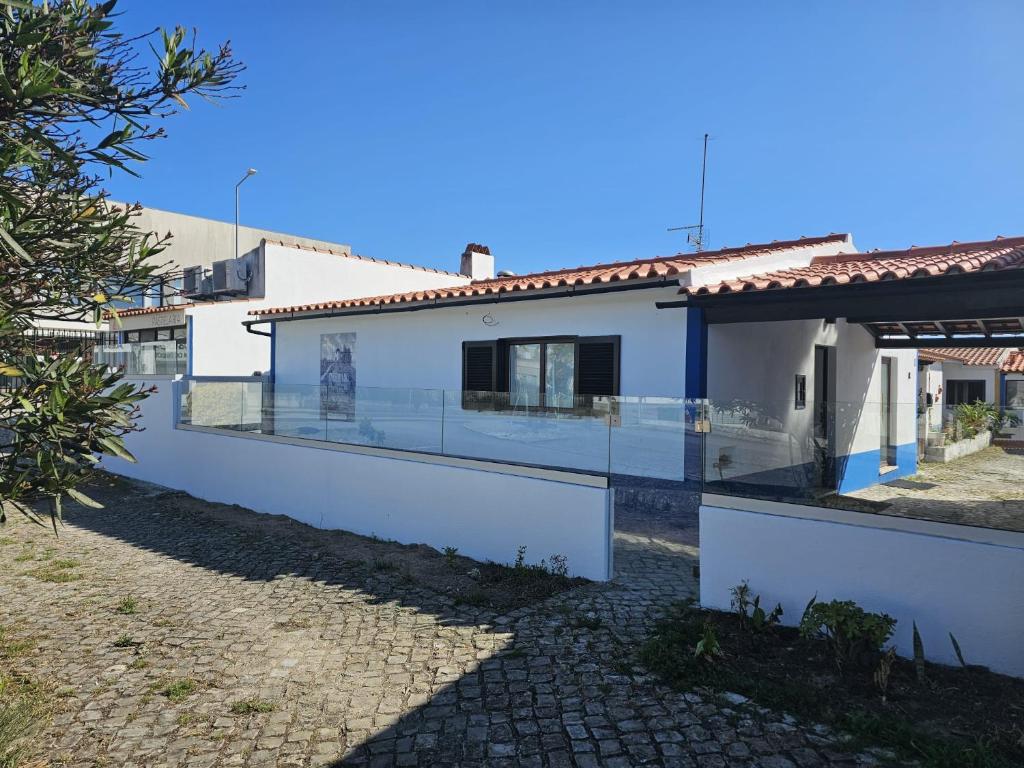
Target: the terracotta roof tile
(144, 310)
(965, 355)
(1014, 363)
(331, 251)
(1001, 253)
(642, 269)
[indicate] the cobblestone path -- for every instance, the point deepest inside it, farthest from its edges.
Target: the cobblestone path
(355, 665)
(984, 489)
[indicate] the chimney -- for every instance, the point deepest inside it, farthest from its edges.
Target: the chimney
(477, 262)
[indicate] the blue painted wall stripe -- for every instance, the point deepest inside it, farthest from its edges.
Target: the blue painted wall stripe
(696, 381)
(188, 333)
(862, 470)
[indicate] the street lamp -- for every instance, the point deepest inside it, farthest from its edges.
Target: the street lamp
(248, 173)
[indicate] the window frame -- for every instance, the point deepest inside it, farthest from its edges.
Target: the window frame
(501, 367)
(951, 385)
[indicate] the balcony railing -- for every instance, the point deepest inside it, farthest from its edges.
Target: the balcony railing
(642, 436)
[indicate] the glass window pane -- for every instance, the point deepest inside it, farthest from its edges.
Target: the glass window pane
(524, 374)
(163, 334)
(559, 375)
(1015, 394)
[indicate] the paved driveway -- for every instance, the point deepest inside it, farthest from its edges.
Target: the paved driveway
(984, 489)
(357, 665)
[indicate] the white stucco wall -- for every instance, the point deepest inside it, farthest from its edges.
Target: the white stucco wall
(486, 514)
(946, 578)
(758, 363)
(222, 347)
(959, 371)
(423, 349)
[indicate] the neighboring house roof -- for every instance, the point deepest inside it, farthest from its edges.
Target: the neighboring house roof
(842, 269)
(1014, 363)
(145, 310)
(356, 256)
(991, 356)
(641, 269)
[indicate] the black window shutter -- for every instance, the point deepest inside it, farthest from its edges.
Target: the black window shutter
(479, 362)
(597, 365)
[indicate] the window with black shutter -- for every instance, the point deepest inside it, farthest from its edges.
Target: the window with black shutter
(540, 372)
(597, 369)
(479, 373)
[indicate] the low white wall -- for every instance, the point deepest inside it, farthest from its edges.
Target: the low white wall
(947, 578)
(486, 514)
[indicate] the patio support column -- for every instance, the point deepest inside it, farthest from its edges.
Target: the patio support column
(696, 381)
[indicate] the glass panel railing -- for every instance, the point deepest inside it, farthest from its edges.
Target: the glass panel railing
(500, 427)
(167, 357)
(888, 458)
(648, 437)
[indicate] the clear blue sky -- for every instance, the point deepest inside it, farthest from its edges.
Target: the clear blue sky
(568, 133)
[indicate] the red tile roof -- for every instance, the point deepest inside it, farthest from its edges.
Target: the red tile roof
(331, 251)
(965, 355)
(642, 269)
(1014, 363)
(841, 269)
(145, 310)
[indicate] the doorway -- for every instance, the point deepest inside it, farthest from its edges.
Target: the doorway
(887, 452)
(825, 414)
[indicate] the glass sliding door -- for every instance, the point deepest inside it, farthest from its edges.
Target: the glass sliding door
(524, 375)
(559, 375)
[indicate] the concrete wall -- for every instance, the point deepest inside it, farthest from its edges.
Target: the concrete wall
(486, 514)
(222, 347)
(947, 578)
(757, 363)
(200, 242)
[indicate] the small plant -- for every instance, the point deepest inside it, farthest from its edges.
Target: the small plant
(587, 621)
(139, 662)
(251, 707)
(178, 689)
(884, 671)
(752, 616)
(708, 647)
(918, 655)
(559, 566)
(127, 606)
(126, 641)
(449, 555)
(957, 651)
(851, 631)
(383, 564)
(520, 557)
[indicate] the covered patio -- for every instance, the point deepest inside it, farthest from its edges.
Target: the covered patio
(812, 481)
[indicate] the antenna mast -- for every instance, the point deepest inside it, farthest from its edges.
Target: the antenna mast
(695, 232)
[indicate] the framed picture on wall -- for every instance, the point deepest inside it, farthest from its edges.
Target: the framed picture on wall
(338, 376)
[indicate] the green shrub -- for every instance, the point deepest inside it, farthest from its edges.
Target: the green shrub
(969, 419)
(852, 632)
(752, 616)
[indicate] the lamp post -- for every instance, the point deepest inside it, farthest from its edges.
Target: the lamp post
(248, 173)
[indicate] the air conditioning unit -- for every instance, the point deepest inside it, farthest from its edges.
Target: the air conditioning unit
(192, 281)
(220, 276)
(206, 287)
(237, 278)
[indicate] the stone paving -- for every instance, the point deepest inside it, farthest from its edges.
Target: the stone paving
(984, 489)
(354, 666)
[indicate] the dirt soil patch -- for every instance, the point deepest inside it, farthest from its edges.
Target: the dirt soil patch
(953, 717)
(490, 586)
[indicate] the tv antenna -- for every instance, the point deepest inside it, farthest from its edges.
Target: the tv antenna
(695, 232)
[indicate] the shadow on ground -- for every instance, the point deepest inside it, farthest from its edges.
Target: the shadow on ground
(419, 678)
